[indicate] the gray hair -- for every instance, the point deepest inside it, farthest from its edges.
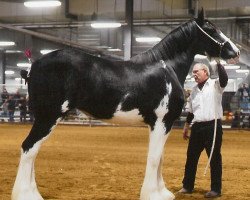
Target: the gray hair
(205, 67)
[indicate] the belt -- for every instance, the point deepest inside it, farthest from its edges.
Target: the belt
(207, 122)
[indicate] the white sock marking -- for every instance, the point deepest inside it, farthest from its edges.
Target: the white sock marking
(25, 187)
(154, 186)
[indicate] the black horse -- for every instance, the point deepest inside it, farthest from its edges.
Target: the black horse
(146, 89)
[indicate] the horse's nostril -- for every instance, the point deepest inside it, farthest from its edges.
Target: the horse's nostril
(238, 53)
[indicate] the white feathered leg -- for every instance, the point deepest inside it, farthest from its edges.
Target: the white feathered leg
(165, 193)
(25, 187)
(153, 186)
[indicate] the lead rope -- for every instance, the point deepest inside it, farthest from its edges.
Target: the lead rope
(215, 128)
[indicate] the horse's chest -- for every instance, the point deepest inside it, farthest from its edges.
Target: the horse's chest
(140, 114)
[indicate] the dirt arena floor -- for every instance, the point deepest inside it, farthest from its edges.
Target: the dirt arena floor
(108, 163)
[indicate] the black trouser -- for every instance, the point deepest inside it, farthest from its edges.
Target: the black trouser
(202, 137)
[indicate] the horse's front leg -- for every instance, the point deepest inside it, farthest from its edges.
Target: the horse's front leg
(165, 193)
(153, 186)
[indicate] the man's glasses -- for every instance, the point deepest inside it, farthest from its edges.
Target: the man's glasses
(196, 71)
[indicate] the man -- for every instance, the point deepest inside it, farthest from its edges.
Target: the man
(5, 97)
(23, 108)
(204, 107)
(244, 92)
(244, 96)
(11, 107)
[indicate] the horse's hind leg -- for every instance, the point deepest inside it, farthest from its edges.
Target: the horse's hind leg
(25, 187)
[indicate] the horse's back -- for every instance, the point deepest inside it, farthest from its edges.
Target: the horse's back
(84, 80)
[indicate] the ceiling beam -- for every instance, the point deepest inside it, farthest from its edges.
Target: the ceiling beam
(54, 39)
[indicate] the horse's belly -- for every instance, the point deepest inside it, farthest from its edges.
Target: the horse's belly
(131, 117)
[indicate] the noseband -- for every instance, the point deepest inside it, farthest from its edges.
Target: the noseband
(221, 44)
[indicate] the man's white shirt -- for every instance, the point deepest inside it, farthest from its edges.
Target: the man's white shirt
(205, 104)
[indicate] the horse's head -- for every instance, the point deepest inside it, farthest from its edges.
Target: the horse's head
(213, 42)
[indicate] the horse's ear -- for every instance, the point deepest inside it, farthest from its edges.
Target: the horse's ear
(200, 19)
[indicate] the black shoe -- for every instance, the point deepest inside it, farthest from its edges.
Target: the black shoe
(184, 191)
(212, 194)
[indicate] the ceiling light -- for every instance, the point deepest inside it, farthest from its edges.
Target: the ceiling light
(105, 24)
(13, 51)
(103, 47)
(147, 39)
(7, 43)
(9, 72)
(45, 51)
(114, 49)
(39, 4)
(23, 64)
(18, 79)
(232, 67)
(242, 70)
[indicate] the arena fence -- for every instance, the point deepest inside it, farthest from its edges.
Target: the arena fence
(237, 117)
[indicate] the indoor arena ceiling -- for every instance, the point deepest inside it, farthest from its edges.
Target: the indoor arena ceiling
(70, 24)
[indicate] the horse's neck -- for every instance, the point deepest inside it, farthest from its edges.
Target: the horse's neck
(182, 66)
(177, 50)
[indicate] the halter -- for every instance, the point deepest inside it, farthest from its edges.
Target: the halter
(221, 44)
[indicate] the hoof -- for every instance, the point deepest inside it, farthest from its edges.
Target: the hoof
(167, 195)
(27, 195)
(30, 197)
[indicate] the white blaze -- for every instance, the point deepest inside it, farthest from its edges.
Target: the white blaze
(230, 42)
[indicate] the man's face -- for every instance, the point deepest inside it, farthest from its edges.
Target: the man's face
(200, 75)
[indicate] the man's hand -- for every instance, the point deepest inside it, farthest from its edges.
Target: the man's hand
(185, 131)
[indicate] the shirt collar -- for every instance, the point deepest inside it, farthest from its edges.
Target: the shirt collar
(208, 82)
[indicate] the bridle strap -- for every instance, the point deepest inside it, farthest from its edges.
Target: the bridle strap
(221, 44)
